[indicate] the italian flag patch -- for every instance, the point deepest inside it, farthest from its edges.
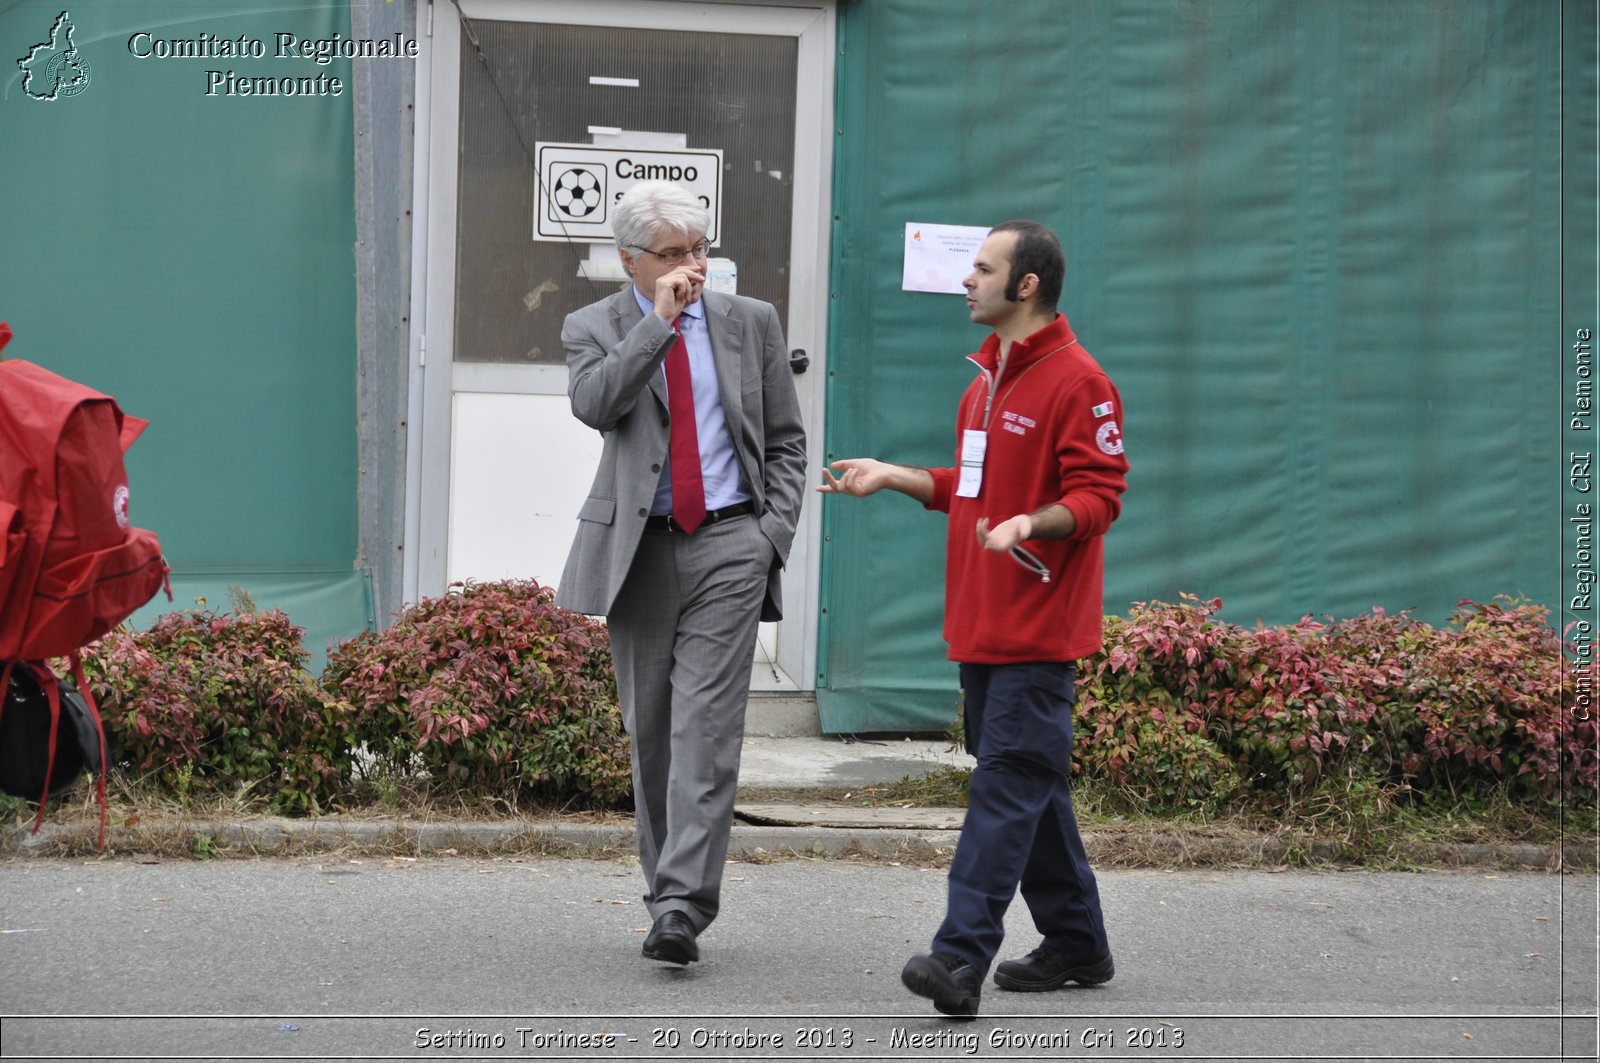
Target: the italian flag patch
(1102, 410)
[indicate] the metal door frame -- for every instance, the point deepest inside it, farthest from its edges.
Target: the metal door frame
(434, 378)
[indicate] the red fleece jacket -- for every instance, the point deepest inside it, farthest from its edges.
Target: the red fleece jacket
(1054, 436)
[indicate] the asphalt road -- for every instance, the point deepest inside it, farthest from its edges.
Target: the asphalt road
(449, 958)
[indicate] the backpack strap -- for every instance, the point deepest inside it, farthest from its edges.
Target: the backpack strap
(5, 679)
(51, 686)
(100, 729)
(52, 692)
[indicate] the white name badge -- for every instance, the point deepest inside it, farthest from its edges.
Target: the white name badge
(973, 446)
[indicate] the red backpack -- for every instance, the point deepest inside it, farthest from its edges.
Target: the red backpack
(71, 567)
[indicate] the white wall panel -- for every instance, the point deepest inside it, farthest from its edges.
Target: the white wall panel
(521, 466)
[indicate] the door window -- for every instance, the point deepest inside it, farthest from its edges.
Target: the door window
(614, 86)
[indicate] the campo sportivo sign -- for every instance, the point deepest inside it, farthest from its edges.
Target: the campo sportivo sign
(579, 183)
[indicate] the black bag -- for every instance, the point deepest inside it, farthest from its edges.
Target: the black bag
(25, 762)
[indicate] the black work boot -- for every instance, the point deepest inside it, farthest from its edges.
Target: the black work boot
(947, 980)
(1046, 968)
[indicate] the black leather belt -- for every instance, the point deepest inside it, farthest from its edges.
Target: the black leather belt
(665, 522)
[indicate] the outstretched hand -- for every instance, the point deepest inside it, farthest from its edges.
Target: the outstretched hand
(1006, 534)
(857, 476)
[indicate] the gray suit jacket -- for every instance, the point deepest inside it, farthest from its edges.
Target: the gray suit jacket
(614, 354)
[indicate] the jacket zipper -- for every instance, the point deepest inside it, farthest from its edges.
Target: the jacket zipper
(1026, 558)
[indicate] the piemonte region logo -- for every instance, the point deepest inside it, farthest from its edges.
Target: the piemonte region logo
(55, 69)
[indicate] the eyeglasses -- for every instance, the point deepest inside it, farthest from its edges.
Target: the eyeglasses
(672, 258)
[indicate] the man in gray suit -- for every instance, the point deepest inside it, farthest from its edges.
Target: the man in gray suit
(684, 533)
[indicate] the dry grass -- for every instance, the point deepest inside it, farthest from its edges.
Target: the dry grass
(416, 822)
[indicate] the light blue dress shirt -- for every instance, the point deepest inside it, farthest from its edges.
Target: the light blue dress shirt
(719, 466)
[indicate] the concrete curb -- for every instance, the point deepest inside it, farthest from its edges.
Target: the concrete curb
(293, 837)
(285, 837)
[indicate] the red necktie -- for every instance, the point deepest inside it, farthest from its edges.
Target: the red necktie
(688, 491)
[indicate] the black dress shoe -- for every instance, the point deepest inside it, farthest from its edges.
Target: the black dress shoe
(671, 940)
(1045, 969)
(947, 980)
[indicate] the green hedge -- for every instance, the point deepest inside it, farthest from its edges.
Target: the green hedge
(207, 702)
(493, 692)
(1185, 710)
(490, 691)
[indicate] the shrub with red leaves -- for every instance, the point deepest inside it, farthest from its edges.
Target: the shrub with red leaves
(220, 702)
(491, 689)
(1489, 705)
(1473, 707)
(1141, 716)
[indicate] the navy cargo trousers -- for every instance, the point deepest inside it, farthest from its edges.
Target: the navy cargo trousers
(1019, 827)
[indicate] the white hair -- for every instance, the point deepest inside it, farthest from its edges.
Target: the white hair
(651, 208)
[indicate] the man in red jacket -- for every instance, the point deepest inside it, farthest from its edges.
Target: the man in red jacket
(1039, 477)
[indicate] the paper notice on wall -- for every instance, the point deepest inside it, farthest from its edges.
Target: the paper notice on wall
(722, 275)
(939, 257)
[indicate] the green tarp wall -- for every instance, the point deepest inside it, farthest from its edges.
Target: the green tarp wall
(193, 255)
(1316, 245)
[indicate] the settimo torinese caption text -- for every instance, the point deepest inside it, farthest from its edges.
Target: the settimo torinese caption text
(318, 51)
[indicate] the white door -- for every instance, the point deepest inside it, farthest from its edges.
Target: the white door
(499, 467)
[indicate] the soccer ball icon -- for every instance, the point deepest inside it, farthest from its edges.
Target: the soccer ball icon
(577, 193)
